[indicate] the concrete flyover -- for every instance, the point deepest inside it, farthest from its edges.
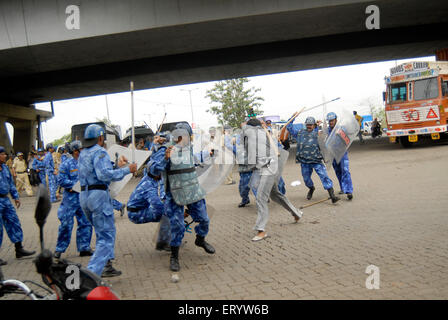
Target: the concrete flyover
(165, 42)
(26, 123)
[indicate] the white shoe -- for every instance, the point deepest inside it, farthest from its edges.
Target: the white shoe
(258, 238)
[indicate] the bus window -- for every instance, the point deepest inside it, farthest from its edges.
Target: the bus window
(398, 92)
(426, 89)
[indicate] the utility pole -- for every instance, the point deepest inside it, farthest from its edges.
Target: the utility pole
(191, 103)
(107, 108)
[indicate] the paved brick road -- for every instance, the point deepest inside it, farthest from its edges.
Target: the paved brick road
(397, 221)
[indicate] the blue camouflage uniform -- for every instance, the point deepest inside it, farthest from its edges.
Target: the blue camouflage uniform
(342, 172)
(8, 215)
(49, 171)
(243, 186)
(281, 186)
(145, 205)
(281, 182)
(40, 165)
(309, 156)
(175, 212)
(117, 205)
(64, 157)
(95, 168)
(70, 208)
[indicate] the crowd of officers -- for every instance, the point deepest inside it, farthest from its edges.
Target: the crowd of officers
(169, 190)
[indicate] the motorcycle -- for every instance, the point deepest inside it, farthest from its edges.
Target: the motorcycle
(67, 280)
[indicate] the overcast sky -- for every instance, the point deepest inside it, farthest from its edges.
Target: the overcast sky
(284, 94)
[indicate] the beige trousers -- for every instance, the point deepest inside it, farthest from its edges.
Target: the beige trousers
(22, 182)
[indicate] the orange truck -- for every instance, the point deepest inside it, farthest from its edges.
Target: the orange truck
(416, 101)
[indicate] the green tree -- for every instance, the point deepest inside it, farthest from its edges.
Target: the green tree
(62, 140)
(231, 102)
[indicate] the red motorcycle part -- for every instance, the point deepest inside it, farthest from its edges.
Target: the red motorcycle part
(102, 293)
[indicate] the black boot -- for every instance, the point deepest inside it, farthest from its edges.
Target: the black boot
(334, 199)
(243, 204)
(310, 193)
(174, 259)
(110, 271)
(57, 255)
(20, 252)
(200, 242)
(86, 253)
(163, 246)
(3, 262)
(349, 196)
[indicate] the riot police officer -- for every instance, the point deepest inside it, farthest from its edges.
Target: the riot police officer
(342, 168)
(310, 157)
(49, 171)
(39, 166)
(176, 164)
(71, 208)
(8, 215)
(146, 201)
(95, 175)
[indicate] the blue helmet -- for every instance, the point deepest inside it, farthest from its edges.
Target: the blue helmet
(49, 146)
(19, 153)
(61, 149)
(310, 120)
(75, 145)
(92, 133)
(2, 149)
(331, 116)
(40, 150)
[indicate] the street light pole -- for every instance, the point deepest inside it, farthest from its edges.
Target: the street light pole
(191, 103)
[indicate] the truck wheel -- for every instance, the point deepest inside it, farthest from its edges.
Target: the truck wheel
(405, 142)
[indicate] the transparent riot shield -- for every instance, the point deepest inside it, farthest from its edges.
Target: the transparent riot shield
(214, 161)
(270, 157)
(342, 135)
(115, 152)
(322, 138)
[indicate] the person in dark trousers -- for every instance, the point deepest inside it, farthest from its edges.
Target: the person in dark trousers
(310, 158)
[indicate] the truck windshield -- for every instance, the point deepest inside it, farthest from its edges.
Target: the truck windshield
(398, 92)
(426, 89)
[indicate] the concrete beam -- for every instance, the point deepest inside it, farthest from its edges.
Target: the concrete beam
(168, 42)
(13, 113)
(31, 23)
